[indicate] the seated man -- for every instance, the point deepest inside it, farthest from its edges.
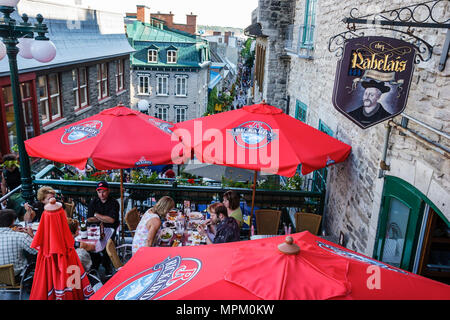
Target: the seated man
(14, 244)
(103, 209)
(227, 228)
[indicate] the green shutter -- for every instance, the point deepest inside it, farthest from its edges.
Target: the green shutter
(309, 24)
(320, 176)
(300, 111)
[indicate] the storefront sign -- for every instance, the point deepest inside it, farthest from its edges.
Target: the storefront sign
(373, 79)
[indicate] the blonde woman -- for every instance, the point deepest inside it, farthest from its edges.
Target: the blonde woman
(34, 212)
(150, 223)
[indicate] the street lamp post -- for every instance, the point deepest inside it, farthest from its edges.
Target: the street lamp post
(42, 50)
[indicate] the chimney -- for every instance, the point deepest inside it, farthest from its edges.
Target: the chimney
(191, 22)
(143, 13)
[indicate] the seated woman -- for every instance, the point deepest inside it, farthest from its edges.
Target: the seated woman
(232, 202)
(34, 212)
(150, 223)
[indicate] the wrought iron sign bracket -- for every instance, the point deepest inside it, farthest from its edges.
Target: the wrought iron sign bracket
(421, 15)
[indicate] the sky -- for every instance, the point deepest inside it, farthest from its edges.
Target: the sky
(229, 13)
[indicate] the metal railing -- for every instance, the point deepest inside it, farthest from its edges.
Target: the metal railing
(142, 194)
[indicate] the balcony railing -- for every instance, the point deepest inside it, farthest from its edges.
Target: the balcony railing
(136, 195)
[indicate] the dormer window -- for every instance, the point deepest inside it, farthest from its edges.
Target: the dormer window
(152, 56)
(171, 56)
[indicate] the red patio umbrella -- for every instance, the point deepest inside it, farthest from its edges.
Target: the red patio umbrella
(261, 137)
(59, 274)
(115, 138)
(256, 269)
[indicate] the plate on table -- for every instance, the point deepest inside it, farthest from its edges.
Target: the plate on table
(195, 215)
(169, 224)
(172, 216)
(166, 234)
(35, 226)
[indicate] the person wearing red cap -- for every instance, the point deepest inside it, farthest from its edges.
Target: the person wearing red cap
(103, 209)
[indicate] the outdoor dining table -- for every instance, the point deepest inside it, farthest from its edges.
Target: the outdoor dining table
(100, 244)
(184, 234)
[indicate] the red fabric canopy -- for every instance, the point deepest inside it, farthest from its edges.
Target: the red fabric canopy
(261, 137)
(59, 274)
(116, 138)
(249, 270)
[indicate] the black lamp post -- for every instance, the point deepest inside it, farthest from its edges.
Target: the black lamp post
(42, 50)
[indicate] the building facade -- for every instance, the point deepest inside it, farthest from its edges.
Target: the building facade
(90, 72)
(270, 22)
(391, 199)
(170, 71)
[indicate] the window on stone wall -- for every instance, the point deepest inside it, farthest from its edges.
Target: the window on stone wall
(120, 75)
(162, 87)
(181, 86)
(102, 80)
(49, 98)
(180, 113)
(144, 87)
(80, 87)
(307, 34)
(162, 111)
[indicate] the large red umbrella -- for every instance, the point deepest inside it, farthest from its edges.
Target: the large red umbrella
(256, 269)
(115, 138)
(59, 274)
(260, 137)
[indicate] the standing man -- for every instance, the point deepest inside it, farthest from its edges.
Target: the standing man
(103, 209)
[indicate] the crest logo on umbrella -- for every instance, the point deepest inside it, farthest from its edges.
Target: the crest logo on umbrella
(143, 162)
(253, 134)
(158, 281)
(81, 132)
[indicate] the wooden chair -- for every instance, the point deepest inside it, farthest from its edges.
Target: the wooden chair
(307, 222)
(70, 208)
(132, 219)
(267, 221)
(8, 281)
(111, 249)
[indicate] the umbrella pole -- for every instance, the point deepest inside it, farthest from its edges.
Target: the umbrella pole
(121, 205)
(253, 200)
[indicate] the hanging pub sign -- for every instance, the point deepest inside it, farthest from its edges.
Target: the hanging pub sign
(373, 78)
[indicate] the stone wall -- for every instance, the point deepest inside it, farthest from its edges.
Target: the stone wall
(275, 17)
(354, 189)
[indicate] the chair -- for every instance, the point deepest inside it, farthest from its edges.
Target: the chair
(307, 222)
(8, 281)
(267, 221)
(132, 219)
(70, 208)
(113, 254)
